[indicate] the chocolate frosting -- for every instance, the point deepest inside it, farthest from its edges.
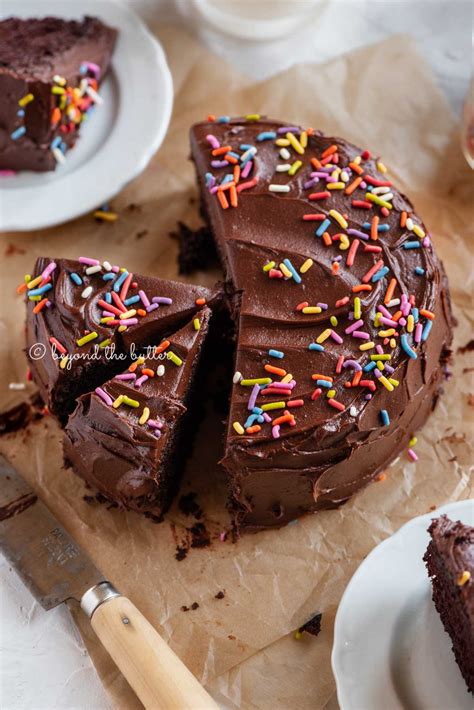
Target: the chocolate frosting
(32, 52)
(68, 316)
(124, 457)
(326, 453)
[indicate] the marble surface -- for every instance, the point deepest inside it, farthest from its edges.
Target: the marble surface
(43, 662)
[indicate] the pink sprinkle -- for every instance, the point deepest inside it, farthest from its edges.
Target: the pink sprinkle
(7, 173)
(361, 334)
(213, 141)
(129, 321)
(284, 385)
(379, 349)
(354, 326)
(412, 455)
(336, 337)
(144, 298)
(152, 307)
(247, 169)
(48, 270)
(155, 424)
(103, 395)
(276, 431)
(342, 301)
(386, 313)
(418, 332)
(389, 321)
(223, 536)
(88, 262)
(266, 417)
(141, 380)
(125, 377)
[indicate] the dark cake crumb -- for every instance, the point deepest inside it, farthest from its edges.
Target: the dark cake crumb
(313, 626)
(189, 505)
(219, 595)
(196, 248)
(193, 607)
(200, 536)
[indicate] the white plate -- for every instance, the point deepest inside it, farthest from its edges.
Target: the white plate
(122, 135)
(390, 649)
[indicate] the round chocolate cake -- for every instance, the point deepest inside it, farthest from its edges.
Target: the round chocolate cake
(341, 309)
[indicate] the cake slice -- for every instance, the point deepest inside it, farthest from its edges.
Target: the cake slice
(341, 310)
(450, 563)
(86, 320)
(128, 439)
(50, 72)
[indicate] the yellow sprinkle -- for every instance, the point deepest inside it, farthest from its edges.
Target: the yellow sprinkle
(122, 328)
(128, 314)
(386, 333)
(393, 343)
(381, 167)
(367, 346)
(105, 216)
(418, 231)
(27, 278)
(380, 365)
(197, 324)
(305, 266)
(255, 381)
(304, 139)
(26, 100)
(335, 172)
(104, 343)
(282, 142)
(34, 282)
(272, 405)
(106, 319)
(463, 578)
(238, 428)
(311, 309)
(57, 90)
(131, 402)
(342, 221)
(357, 160)
(35, 298)
(87, 338)
(253, 117)
(335, 186)
(287, 378)
(144, 417)
(63, 362)
(393, 381)
(333, 321)
(388, 385)
(324, 336)
(118, 402)
(357, 308)
(285, 271)
(410, 323)
(294, 142)
(298, 635)
(331, 394)
(377, 318)
(377, 200)
(270, 265)
(413, 441)
(344, 242)
(174, 358)
(295, 167)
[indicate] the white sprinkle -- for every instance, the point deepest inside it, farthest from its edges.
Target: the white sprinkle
(380, 190)
(107, 265)
(248, 153)
(94, 95)
(87, 292)
(237, 377)
(283, 167)
(353, 411)
(59, 155)
(388, 196)
(409, 223)
(393, 302)
(279, 188)
(344, 176)
(93, 269)
(16, 385)
(160, 370)
(285, 154)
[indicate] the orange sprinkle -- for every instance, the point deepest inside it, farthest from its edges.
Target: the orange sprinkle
(21, 288)
(361, 287)
(381, 477)
(162, 347)
(321, 377)
(246, 185)
(141, 312)
(211, 117)
(315, 163)
(147, 371)
(40, 305)
(357, 378)
(397, 315)
(236, 173)
(356, 168)
(373, 228)
(329, 151)
(133, 366)
(403, 219)
(354, 184)
(302, 305)
(231, 159)
(390, 291)
(310, 131)
(427, 314)
(327, 239)
(253, 429)
(275, 370)
(55, 115)
(283, 419)
(234, 200)
(333, 158)
(226, 186)
(335, 268)
(223, 149)
(200, 301)
(222, 199)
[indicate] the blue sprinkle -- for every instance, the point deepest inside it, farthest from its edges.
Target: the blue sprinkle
(40, 291)
(257, 410)
(266, 136)
(208, 178)
(227, 178)
(76, 278)
(322, 227)
(20, 112)
(120, 281)
(130, 301)
(316, 346)
(234, 155)
(223, 119)
(384, 417)
(371, 366)
(109, 276)
(253, 418)
(276, 353)
(419, 271)
(380, 228)
(108, 297)
(291, 268)
(245, 146)
(380, 274)
(324, 383)
(56, 142)
(411, 245)
(20, 131)
(426, 330)
(406, 347)
(416, 314)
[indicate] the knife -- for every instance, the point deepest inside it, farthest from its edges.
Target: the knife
(55, 569)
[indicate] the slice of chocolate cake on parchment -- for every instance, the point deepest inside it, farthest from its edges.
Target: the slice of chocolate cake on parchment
(50, 72)
(450, 563)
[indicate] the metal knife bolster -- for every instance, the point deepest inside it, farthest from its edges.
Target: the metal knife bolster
(97, 595)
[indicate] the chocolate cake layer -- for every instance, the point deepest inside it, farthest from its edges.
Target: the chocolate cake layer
(50, 71)
(87, 319)
(450, 563)
(342, 311)
(128, 439)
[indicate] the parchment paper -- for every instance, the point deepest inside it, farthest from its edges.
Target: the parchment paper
(242, 646)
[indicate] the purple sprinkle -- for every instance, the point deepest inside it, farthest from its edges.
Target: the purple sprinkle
(377, 373)
(379, 349)
(324, 306)
(337, 258)
(246, 170)
(266, 417)
(48, 270)
(144, 298)
(319, 174)
(213, 190)
(329, 178)
(141, 380)
(335, 336)
(103, 395)
(151, 308)
(253, 397)
(368, 396)
(162, 300)
(125, 376)
(354, 326)
(363, 185)
(288, 129)
(426, 242)
(360, 334)
(310, 183)
(388, 368)
(49, 304)
(155, 424)
(213, 141)
(219, 163)
(353, 364)
(357, 233)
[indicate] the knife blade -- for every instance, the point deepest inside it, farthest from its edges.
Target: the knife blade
(56, 569)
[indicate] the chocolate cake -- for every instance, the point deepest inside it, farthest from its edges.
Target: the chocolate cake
(341, 308)
(50, 70)
(450, 563)
(129, 438)
(87, 319)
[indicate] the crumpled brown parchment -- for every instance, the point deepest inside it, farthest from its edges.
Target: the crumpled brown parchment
(384, 98)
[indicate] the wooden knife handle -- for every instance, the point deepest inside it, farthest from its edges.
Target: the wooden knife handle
(156, 674)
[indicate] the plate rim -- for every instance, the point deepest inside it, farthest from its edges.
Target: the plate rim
(19, 220)
(338, 641)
